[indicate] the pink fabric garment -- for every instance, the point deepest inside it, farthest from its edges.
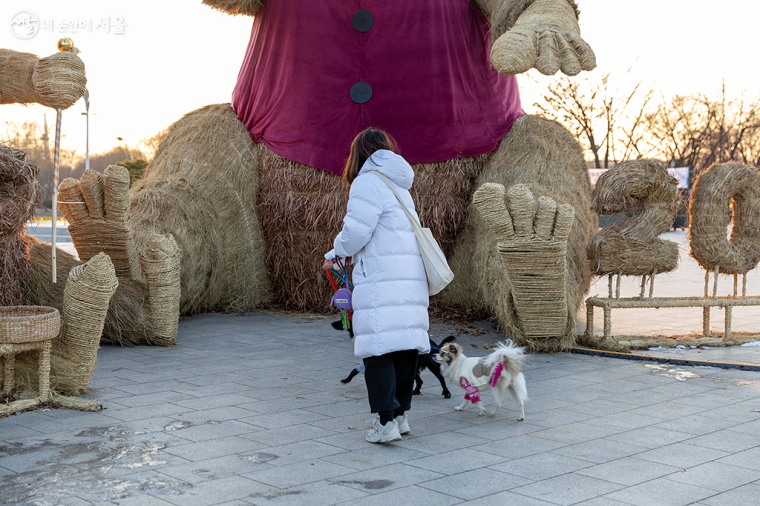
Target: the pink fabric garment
(433, 87)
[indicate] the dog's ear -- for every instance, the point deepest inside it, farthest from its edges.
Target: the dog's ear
(449, 339)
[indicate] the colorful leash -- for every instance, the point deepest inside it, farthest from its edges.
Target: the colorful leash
(346, 316)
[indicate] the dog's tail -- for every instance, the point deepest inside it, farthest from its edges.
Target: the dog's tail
(508, 354)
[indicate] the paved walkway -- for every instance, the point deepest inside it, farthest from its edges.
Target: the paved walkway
(248, 410)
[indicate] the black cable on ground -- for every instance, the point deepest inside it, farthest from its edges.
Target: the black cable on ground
(664, 360)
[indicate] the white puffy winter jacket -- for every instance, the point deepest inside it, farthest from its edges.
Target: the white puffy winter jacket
(390, 297)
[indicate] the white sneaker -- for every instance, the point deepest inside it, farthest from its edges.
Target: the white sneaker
(383, 433)
(403, 425)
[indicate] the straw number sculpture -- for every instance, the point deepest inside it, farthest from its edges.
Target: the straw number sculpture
(631, 246)
(252, 224)
(726, 193)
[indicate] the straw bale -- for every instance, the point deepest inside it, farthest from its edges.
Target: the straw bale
(301, 210)
(19, 190)
(721, 186)
(201, 188)
(544, 157)
(544, 34)
(235, 7)
(631, 247)
(59, 80)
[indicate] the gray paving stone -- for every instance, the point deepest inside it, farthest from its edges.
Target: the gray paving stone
(629, 471)
(505, 498)
(301, 451)
(283, 418)
(575, 433)
(599, 451)
(289, 434)
(456, 461)
(477, 483)
(749, 459)
(215, 468)
(661, 491)
(747, 494)
(406, 495)
(696, 424)
(650, 437)
(727, 440)
(12, 432)
(313, 494)
(300, 473)
(375, 456)
(217, 491)
(567, 489)
(214, 448)
(520, 446)
(438, 444)
(716, 476)
(386, 478)
(123, 413)
(542, 466)
(681, 455)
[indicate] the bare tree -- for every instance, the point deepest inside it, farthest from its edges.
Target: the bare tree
(608, 122)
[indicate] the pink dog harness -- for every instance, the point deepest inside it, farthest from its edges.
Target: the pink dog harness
(472, 392)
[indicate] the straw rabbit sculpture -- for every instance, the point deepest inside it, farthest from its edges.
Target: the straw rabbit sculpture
(83, 291)
(252, 225)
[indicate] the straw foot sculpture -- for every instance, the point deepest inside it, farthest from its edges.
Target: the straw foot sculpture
(532, 242)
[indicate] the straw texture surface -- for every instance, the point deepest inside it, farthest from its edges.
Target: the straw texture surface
(301, 210)
(545, 35)
(630, 247)
(235, 7)
(16, 85)
(729, 184)
(59, 80)
(28, 324)
(544, 158)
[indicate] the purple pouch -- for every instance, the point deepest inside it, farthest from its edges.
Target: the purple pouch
(342, 299)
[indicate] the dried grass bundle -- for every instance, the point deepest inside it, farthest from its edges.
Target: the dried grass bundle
(721, 186)
(19, 191)
(630, 247)
(201, 187)
(301, 210)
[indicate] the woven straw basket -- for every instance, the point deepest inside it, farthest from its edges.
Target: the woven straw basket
(28, 324)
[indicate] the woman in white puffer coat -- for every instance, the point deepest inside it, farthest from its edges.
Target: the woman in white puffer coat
(390, 296)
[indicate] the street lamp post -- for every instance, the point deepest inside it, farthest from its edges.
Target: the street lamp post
(87, 148)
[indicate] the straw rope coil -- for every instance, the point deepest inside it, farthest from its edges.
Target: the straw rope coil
(28, 324)
(59, 80)
(161, 264)
(714, 190)
(630, 247)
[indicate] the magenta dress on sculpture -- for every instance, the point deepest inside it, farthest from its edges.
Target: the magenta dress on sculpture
(317, 72)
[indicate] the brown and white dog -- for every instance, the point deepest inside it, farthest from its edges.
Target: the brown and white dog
(500, 371)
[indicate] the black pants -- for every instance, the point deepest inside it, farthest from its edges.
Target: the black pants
(390, 381)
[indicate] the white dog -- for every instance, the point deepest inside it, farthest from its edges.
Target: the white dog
(500, 371)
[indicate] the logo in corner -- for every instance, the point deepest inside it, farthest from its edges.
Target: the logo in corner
(24, 24)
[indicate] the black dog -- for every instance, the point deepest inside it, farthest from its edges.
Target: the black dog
(424, 361)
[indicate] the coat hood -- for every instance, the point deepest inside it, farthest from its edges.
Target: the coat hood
(392, 165)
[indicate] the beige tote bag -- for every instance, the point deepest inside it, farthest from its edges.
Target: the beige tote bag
(436, 268)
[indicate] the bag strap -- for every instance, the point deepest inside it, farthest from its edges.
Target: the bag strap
(388, 182)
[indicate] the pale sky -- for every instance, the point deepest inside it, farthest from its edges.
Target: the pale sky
(175, 56)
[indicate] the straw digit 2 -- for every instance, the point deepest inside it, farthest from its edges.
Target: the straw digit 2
(630, 247)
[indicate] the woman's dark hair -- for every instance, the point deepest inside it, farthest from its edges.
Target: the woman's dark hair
(364, 144)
